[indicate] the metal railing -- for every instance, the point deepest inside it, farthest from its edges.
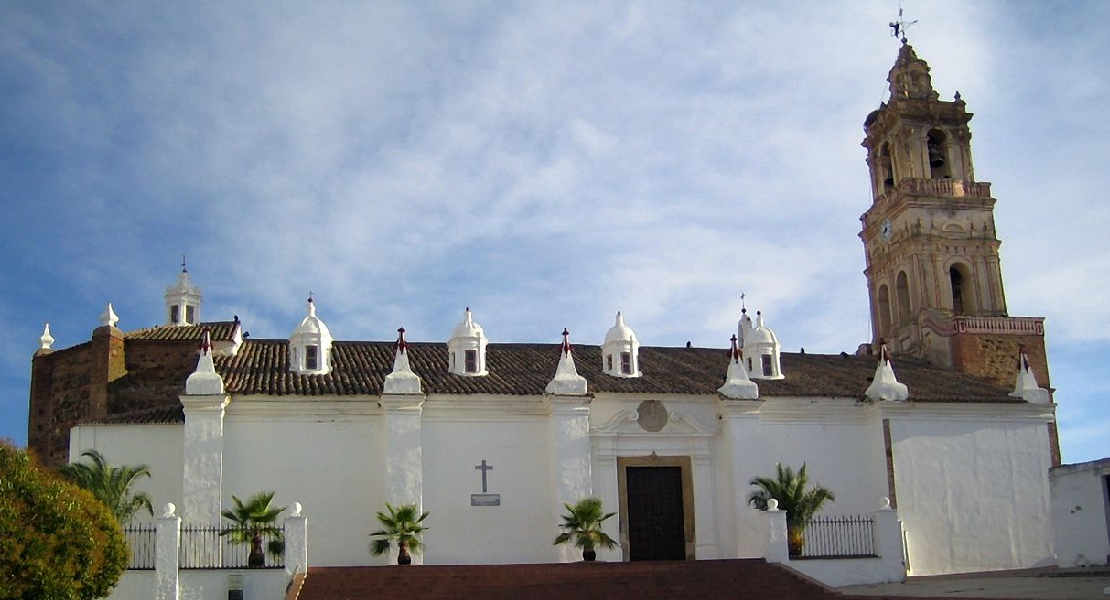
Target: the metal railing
(212, 547)
(140, 540)
(849, 536)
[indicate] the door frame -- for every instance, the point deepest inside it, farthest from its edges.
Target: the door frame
(685, 466)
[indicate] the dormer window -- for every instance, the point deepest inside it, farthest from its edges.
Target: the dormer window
(467, 347)
(621, 343)
(312, 358)
(310, 345)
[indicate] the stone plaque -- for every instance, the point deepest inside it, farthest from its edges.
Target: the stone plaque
(485, 499)
(653, 415)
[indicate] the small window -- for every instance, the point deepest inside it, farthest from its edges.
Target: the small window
(311, 358)
(190, 313)
(767, 365)
(609, 362)
(452, 361)
(626, 363)
(175, 314)
(471, 361)
(749, 365)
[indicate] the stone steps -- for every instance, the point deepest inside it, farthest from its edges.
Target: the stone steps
(739, 579)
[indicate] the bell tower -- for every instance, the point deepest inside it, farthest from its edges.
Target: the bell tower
(933, 273)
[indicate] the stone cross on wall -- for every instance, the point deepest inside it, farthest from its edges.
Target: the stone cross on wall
(483, 468)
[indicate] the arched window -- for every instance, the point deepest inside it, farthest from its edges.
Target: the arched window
(884, 311)
(886, 169)
(961, 295)
(939, 167)
(903, 291)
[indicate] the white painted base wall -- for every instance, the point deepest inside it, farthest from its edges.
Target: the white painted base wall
(971, 480)
(1081, 513)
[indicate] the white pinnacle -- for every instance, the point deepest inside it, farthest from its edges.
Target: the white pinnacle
(402, 380)
(1025, 386)
(885, 386)
(738, 386)
(205, 381)
(46, 340)
(108, 318)
(567, 381)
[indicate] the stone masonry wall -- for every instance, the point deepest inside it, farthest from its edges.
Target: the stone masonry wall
(994, 356)
(59, 398)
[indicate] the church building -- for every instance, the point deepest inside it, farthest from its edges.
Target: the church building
(946, 413)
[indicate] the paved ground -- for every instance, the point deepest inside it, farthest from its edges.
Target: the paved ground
(1040, 584)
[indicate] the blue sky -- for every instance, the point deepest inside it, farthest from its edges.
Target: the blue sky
(545, 163)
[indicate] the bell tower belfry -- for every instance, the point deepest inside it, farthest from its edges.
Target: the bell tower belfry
(933, 273)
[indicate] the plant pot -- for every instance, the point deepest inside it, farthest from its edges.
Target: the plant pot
(589, 555)
(257, 558)
(795, 541)
(403, 556)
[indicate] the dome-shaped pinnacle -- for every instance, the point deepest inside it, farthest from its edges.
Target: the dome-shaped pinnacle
(204, 381)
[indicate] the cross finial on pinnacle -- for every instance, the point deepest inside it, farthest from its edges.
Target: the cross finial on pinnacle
(898, 28)
(742, 296)
(183, 269)
(310, 295)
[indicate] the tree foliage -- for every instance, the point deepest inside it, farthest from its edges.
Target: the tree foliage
(582, 525)
(57, 542)
(794, 496)
(403, 526)
(111, 485)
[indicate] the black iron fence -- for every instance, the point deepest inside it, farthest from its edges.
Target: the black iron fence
(840, 537)
(140, 539)
(213, 547)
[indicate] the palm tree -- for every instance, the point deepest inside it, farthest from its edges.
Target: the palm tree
(111, 485)
(582, 525)
(254, 519)
(789, 489)
(401, 525)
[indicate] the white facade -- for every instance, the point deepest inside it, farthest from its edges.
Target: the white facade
(1081, 513)
(969, 479)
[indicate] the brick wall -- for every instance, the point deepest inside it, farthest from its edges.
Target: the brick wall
(994, 356)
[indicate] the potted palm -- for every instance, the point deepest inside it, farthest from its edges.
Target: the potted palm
(582, 525)
(403, 526)
(252, 520)
(800, 503)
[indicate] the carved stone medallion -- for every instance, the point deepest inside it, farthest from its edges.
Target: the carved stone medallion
(653, 415)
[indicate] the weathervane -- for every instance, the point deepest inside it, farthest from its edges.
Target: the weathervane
(898, 28)
(183, 269)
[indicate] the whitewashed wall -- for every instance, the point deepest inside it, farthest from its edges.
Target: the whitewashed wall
(326, 455)
(135, 585)
(522, 528)
(1081, 513)
(157, 446)
(972, 488)
(267, 584)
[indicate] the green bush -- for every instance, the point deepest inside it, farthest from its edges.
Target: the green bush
(57, 542)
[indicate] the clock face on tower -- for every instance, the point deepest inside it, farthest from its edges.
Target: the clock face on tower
(886, 230)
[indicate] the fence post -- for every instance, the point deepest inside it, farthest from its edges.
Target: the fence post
(296, 541)
(166, 542)
(778, 550)
(888, 540)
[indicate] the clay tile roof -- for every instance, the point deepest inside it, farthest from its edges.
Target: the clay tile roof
(146, 416)
(358, 368)
(221, 330)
